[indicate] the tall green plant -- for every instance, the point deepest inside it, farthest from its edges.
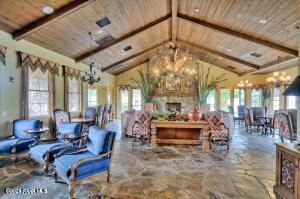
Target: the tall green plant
(148, 84)
(266, 93)
(204, 84)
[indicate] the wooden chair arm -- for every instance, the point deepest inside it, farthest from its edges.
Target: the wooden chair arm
(43, 141)
(68, 150)
(3, 138)
(14, 145)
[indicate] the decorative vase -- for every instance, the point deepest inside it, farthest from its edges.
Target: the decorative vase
(194, 115)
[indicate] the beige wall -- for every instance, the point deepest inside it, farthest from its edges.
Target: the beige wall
(10, 92)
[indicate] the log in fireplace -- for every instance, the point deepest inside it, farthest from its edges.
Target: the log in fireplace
(173, 107)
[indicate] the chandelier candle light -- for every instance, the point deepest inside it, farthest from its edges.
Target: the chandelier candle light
(277, 79)
(89, 76)
(245, 83)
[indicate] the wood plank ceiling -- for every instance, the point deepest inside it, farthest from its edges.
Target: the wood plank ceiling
(222, 32)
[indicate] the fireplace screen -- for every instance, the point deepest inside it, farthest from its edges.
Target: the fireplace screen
(173, 107)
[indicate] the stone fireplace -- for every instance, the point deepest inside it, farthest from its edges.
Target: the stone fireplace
(186, 102)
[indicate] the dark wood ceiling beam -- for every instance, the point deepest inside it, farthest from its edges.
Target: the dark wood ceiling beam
(109, 44)
(131, 67)
(48, 19)
(254, 66)
(239, 35)
(133, 56)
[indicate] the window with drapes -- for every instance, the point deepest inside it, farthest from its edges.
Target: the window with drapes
(38, 93)
(136, 99)
(224, 99)
(92, 97)
(276, 98)
(291, 102)
(238, 98)
(211, 99)
(124, 100)
(74, 95)
(255, 98)
(37, 85)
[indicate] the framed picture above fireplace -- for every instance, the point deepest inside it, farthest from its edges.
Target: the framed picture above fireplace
(173, 84)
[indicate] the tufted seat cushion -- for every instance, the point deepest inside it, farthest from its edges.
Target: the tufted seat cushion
(38, 151)
(64, 163)
(6, 145)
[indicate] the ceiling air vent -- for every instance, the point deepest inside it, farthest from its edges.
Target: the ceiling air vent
(105, 39)
(257, 55)
(104, 21)
(231, 67)
(127, 48)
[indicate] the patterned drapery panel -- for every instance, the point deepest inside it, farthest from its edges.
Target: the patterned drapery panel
(73, 92)
(72, 73)
(34, 62)
(2, 54)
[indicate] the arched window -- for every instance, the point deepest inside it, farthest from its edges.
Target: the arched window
(239, 98)
(211, 99)
(276, 98)
(124, 100)
(225, 98)
(136, 99)
(291, 102)
(255, 98)
(92, 97)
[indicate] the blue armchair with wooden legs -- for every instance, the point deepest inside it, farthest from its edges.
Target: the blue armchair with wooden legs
(19, 141)
(76, 164)
(43, 151)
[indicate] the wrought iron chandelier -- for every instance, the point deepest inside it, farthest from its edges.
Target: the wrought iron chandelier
(89, 76)
(277, 79)
(173, 62)
(244, 83)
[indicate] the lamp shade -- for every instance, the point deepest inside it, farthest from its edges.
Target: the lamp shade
(294, 88)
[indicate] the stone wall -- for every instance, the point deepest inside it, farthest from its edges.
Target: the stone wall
(186, 102)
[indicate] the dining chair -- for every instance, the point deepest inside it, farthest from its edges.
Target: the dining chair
(100, 115)
(43, 151)
(251, 123)
(219, 132)
(238, 118)
(74, 165)
(19, 141)
(285, 127)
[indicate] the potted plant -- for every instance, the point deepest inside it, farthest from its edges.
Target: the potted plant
(204, 84)
(159, 115)
(148, 84)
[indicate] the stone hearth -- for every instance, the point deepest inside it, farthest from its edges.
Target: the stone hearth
(186, 102)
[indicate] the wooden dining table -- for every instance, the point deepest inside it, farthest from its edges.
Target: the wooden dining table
(82, 120)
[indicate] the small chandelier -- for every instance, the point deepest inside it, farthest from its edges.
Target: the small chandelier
(277, 79)
(89, 76)
(244, 83)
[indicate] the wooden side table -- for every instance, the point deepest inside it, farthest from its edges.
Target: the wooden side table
(287, 171)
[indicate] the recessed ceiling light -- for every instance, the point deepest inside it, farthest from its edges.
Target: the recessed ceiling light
(229, 50)
(48, 10)
(219, 57)
(197, 9)
(100, 31)
(123, 54)
(263, 21)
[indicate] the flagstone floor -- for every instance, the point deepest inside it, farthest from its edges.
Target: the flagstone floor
(246, 170)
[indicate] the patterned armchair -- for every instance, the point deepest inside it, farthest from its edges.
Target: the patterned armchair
(19, 141)
(249, 121)
(59, 116)
(219, 133)
(75, 164)
(44, 150)
(204, 110)
(286, 127)
(141, 126)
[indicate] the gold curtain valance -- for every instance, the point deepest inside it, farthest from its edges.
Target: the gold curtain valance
(72, 73)
(34, 62)
(2, 54)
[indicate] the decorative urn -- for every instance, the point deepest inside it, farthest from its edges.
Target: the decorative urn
(195, 115)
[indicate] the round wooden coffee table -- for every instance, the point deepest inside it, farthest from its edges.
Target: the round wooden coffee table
(72, 137)
(36, 132)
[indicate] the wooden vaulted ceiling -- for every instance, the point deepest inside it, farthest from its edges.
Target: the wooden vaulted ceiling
(221, 32)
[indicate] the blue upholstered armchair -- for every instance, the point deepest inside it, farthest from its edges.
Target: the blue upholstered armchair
(44, 150)
(19, 141)
(76, 164)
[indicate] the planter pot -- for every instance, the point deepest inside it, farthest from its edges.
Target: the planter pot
(161, 118)
(194, 115)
